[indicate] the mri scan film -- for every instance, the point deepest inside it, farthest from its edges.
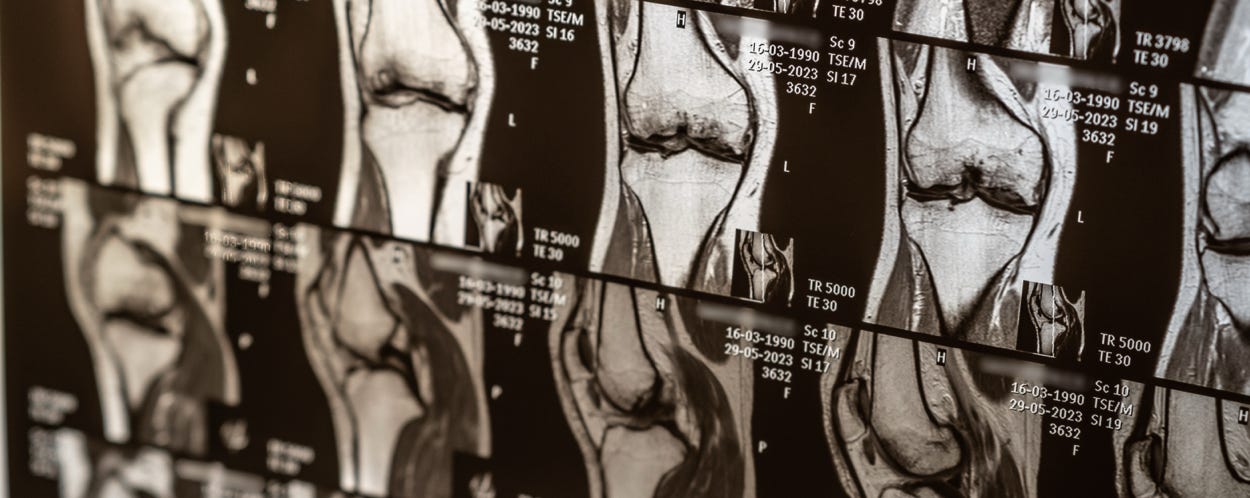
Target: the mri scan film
(625, 248)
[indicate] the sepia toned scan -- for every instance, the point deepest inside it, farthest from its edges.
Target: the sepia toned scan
(625, 248)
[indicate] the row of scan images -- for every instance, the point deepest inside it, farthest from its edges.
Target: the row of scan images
(1153, 34)
(911, 186)
(162, 349)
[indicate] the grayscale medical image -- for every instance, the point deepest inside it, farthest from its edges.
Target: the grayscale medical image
(401, 374)
(1222, 56)
(417, 85)
(1081, 29)
(497, 217)
(240, 170)
(1206, 343)
(1053, 323)
(766, 267)
(150, 305)
(696, 139)
(655, 414)
(625, 248)
(983, 193)
(157, 68)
